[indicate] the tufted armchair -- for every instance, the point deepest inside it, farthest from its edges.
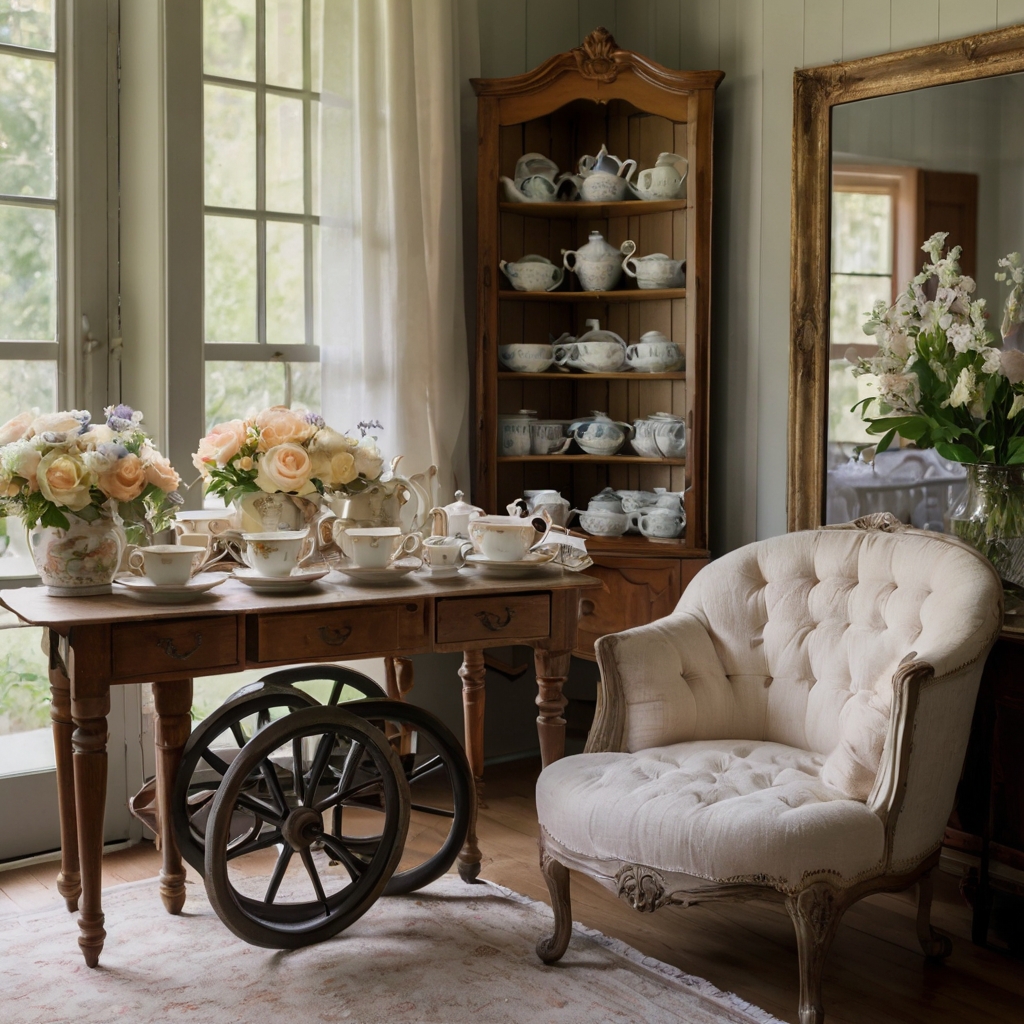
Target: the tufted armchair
(794, 730)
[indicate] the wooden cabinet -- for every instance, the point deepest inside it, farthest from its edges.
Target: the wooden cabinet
(568, 107)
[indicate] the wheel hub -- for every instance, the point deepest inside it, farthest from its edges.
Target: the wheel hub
(302, 827)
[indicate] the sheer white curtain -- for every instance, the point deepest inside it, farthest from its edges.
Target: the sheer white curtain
(393, 327)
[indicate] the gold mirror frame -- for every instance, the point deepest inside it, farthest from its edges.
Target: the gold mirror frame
(815, 92)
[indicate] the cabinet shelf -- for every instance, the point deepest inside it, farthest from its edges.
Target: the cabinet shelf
(634, 295)
(595, 211)
(638, 545)
(627, 375)
(605, 460)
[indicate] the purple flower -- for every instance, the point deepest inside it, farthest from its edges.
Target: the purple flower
(314, 419)
(121, 417)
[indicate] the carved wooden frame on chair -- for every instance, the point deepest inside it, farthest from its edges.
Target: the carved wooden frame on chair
(815, 92)
(815, 906)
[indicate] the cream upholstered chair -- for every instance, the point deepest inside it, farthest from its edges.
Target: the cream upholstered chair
(794, 730)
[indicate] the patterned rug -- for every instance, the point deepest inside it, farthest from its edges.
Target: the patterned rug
(449, 954)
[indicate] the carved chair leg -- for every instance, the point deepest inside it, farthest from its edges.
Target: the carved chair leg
(936, 946)
(69, 879)
(556, 874)
(815, 913)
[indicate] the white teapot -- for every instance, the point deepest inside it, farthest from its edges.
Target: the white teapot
(533, 274)
(596, 351)
(605, 177)
(655, 271)
(453, 520)
(663, 180)
(597, 264)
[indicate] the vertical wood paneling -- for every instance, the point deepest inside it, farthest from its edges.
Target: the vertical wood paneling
(594, 13)
(865, 28)
(1010, 12)
(666, 33)
(699, 30)
(502, 38)
(913, 23)
(551, 27)
(635, 25)
(959, 18)
(823, 31)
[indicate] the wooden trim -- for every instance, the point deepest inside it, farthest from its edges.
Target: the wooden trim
(815, 92)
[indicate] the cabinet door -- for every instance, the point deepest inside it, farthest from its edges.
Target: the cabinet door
(634, 591)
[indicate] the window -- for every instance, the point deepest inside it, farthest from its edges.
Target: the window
(261, 107)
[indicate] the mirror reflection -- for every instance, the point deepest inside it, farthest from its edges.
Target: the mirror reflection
(905, 166)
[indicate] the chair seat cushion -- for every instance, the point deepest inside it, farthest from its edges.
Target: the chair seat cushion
(723, 810)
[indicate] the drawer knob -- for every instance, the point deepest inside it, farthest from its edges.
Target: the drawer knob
(170, 648)
(586, 607)
(334, 637)
(496, 623)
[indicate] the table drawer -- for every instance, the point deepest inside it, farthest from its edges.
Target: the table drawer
(174, 646)
(511, 617)
(335, 633)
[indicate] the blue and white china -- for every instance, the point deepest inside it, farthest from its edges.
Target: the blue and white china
(533, 273)
(664, 180)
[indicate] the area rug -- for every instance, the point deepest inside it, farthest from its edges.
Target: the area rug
(449, 954)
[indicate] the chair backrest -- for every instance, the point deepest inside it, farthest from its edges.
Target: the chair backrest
(810, 628)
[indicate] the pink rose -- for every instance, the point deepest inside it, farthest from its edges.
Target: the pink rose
(125, 480)
(1012, 365)
(16, 429)
(159, 470)
(220, 445)
(279, 425)
(285, 467)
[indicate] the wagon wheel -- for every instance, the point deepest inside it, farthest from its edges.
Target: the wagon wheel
(319, 883)
(217, 740)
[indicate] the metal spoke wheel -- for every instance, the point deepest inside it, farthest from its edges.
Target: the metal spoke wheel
(441, 786)
(277, 872)
(216, 741)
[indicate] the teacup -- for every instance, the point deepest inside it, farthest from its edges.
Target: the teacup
(505, 538)
(274, 552)
(591, 356)
(604, 524)
(548, 438)
(167, 565)
(445, 554)
(657, 355)
(660, 522)
(204, 542)
(212, 522)
(376, 547)
(526, 358)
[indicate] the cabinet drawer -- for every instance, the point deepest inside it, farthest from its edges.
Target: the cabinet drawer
(174, 646)
(336, 633)
(515, 617)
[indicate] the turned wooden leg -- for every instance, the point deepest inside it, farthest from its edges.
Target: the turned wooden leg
(815, 913)
(69, 879)
(173, 700)
(556, 874)
(474, 675)
(399, 678)
(89, 741)
(552, 669)
(936, 946)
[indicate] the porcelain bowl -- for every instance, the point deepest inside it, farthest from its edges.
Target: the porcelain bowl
(527, 358)
(533, 273)
(592, 356)
(654, 356)
(604, 524)
(603, 187)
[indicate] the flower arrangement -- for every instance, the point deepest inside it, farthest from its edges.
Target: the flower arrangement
(283, 451)
(60, 466)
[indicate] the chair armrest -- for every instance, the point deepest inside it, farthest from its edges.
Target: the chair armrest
(660, 683)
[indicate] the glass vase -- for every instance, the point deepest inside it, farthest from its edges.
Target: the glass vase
(81, 560)
(990, 517)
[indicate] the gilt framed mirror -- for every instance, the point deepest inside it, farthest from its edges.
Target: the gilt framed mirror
(886, 151)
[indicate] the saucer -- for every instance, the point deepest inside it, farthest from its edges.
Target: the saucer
(535, 561)
(380, 576)
(446, 572)
(165, 593)
(298, 580)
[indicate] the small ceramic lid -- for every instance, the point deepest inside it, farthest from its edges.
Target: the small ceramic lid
(597, 249)
(460, 507)
(649, 336)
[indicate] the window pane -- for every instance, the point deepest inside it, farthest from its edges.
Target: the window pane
(24, 702)
(316, 22)
(235, 390)
(27, 23)
(305, 385)
(284, 154)
(230, 280)
(229, 38)
(286, 296)
(230, 139)
(314, 112)
(28, 274)
(844, 391)
(861, 233)
(27, 384)
(284, 43)
(852, 300)
(26, 126)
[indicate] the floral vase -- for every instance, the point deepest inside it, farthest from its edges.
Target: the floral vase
(990, 517)
(264, 511)
(81, 560)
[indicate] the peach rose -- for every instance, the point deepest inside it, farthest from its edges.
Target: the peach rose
(285, 467)
(334, 470)
(125, 480)
(16, 429)
(220, 445)
(56, 422)
(159, 471)
(64, 480)
(279, 425)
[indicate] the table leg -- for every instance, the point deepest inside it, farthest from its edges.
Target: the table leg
(89, 741)
(552, 669)
(69, 879)
(473, 674)
(173, 700)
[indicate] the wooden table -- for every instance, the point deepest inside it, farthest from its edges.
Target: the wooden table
(99, 642)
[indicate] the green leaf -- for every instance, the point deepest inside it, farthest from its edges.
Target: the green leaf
(52, 516)
(883, 445)
(956, 452)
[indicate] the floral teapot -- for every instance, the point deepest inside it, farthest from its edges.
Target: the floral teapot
(598, 265)
(453, 520)
(664, 179)
(390, 501)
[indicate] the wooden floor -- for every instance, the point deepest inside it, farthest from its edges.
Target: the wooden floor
(875, 974)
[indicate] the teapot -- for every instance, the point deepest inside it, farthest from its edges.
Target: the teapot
(654, 271)
(533, 274)
(597, 264)
(547, 503)
(596, 351)
(381, 503)
(663, 180)
(605, 177)
(654, 353)
(599, 434)
(453, 520)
